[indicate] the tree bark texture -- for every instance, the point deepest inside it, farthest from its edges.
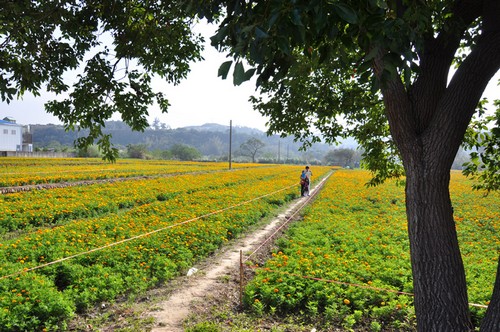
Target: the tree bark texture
(441, 301)
(428, 123)
(491, 321)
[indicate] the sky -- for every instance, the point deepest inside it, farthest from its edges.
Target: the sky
(201, 98)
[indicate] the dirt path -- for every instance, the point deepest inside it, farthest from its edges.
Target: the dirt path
(172, 312)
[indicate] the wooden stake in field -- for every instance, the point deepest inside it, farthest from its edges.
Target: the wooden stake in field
(241, 278)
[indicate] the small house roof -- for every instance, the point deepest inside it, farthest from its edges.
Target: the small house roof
(9, 123)
(9, 119)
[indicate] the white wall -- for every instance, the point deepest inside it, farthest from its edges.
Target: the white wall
(11, 137)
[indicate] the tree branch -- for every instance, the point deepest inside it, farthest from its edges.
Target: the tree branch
(397, 108)
(459, 102)
(436, 60)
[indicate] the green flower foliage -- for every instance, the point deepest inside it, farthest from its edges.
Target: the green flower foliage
(348, 263)
(120, 252)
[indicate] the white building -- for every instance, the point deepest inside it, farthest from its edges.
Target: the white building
(14, 137)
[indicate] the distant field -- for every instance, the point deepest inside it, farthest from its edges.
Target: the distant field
(32, 171)
(64, 250)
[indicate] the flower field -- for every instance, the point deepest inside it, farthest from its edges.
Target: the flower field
(64, 250)
(347, 262)
(25, 210)
(31, 171)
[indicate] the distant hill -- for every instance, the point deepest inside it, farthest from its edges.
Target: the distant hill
(210, 139)
(215, 127)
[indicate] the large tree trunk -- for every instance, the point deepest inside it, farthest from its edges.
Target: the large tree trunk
(491, 322)
(428, 122)
(441, 301)
(428, 145)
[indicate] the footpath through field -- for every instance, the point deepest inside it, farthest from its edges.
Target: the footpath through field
(170, 314)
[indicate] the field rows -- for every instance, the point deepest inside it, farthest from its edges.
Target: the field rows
(330, 266)
(25, 210)
(48, 297)
(355, 240)
(33, 171)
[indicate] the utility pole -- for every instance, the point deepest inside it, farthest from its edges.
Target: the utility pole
(230, 140)
(279, 150)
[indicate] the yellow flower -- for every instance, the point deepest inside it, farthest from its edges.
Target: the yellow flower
(347, 302)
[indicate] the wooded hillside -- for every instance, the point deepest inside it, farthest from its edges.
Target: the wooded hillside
(211, 140)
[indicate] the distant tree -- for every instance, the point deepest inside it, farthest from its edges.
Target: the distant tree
(165, 154)
(185, 152)
(137, 151)
(91, 151)
(251, 147)
(156, 125)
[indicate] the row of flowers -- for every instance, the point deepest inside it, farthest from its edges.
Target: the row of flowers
(347, 262)
(26, 210)
(32, 171)
(138, 248)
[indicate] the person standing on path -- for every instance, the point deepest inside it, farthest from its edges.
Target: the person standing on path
(308, 180)
(305, 179)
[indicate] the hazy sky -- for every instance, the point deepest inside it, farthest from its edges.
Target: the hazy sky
(201, 98)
